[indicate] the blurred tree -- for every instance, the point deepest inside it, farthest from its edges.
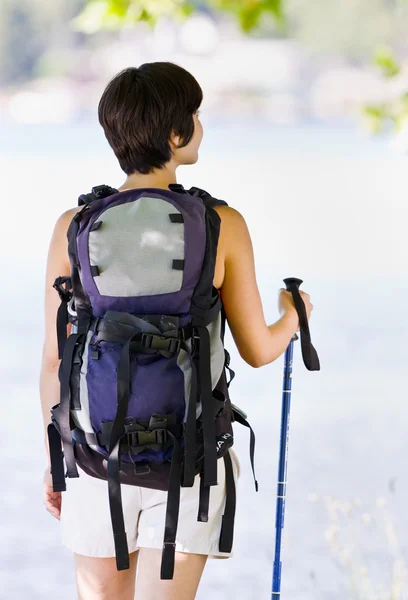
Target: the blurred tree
(394, 111)
(16, 24)
(35, 38)
(29, 29)
(99, 14)
(353, 28)
(349, 27)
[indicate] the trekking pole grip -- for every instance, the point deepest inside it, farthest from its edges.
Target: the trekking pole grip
(292, 281)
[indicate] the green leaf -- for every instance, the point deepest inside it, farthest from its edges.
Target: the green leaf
(374, 117)
(380, 115)
(118, 8)
(250, 12)
(187, 9)
(386, 61)
(92, 18)
(376, 111)
(249, 18)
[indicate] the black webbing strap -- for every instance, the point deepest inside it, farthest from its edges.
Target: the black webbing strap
(240, 419)
(116, 509)
(208, 315)
(63, 286)
(227, 527)
(172, 513)
(62, 322)
(204, 502)
(117, 432)
(190, 427)
(57, 459)
(227, 366)
(207, 415)
(123, 393)
(65, 404)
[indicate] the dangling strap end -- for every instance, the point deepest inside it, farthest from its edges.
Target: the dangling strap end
(57, 461)
(72, 474)
(210, 482)
(256, 486)
(227, 534)
(202, 518)
(204, 502)
(121, 550)
(59, 487)
(227, 527)
(168, 559)
(188, 480)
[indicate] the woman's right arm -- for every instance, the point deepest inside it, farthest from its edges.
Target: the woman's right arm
(57, 265)
(257, 343)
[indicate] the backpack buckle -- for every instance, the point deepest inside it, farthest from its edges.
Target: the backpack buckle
(152, 341)
(175, 345)
(101, 191)
(144, 438)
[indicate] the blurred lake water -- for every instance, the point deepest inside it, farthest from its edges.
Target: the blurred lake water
(325, 204)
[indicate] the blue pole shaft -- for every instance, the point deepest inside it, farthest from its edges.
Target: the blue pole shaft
(282, 471)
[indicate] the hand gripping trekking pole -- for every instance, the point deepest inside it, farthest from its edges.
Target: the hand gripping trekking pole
(311, 361)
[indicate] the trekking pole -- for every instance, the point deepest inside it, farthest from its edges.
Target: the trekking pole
(312, 363)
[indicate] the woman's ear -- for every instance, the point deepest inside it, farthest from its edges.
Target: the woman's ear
(174, 141)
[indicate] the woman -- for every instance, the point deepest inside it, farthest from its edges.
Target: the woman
(151, 120)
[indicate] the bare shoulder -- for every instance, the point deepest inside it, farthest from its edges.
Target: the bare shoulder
(63, 222)
(229, 214)
(234, 230)
(234, 243)
(65, 219)
(58, 250)
(232, 220)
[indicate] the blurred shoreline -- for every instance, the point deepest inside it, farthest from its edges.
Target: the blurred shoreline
(276, 80)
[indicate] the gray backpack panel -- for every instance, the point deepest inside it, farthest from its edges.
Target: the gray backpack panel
(156, 241)
(217, 360)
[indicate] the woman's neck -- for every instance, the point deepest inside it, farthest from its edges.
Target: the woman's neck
(160, 178)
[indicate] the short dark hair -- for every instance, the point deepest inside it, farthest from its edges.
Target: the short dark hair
(140, 109)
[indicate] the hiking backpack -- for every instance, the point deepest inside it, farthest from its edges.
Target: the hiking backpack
(144, 393)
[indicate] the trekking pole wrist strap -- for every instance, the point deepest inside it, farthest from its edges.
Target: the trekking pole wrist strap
(309, 354)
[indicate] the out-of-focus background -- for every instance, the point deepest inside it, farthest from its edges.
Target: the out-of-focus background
(306, 132)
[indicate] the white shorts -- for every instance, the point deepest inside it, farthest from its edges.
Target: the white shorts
(86, 523)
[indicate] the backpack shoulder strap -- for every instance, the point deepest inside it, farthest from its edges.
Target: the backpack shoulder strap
(205, 307)
(208, 200)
